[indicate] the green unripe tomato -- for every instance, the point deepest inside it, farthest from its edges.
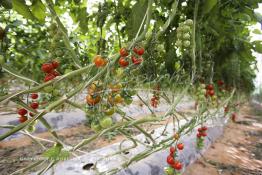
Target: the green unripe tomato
(2, 59)
(95, 127)
(186, 29)
(203, 91)
(169, 171)
(110, 111)
(189, 22)
(186, 36)
(106, 122)
(186, 43)
(203, 86)
(179, 43)
(180, 35)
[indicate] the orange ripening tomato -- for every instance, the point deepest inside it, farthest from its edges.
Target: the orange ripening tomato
(92, 100)
(99, 61)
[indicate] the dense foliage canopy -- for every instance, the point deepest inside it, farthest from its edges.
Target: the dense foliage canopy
(222, 50)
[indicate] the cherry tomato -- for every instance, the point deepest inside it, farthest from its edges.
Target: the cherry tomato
(204, 134)
(136, 61)
(199, 135)
(47, 67)
(22, 111)
(99, 61)
(209, 87)
(55, 73)
(169, 171)
(34, 95)
(180, 146)
(170, 160)
(172, 149)
(177, 165)
(140, 51)
(92, 100)
(22, 119)
(118, 99)
(55, 64)
(123, 62)
(49, 77)
(123, 52)
(34, 105)
(204, 128)
(211, 93)
(220, 83)
(110, 111)
(106, 122)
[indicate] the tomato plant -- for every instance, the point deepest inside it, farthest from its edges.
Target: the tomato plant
(57, 51)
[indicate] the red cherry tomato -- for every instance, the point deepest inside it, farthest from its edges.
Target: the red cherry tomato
(172, 150)
(136, 61)
(209, 87)
(177, 165)
(34, 95)
(220, 83)
(123, 52)
(22, 119)
(55, 64)
(22, 112)
(140, 51)
(55, 73)
(211, 93)
(123, 62)
(170, 160)
(49, 77)
(180, 146)
(47, 67)
(34, 105)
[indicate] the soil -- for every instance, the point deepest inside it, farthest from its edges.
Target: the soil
(238, 152)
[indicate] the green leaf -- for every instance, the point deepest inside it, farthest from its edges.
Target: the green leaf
(39, 10)
(20, 7)
(208, 6)
(136, 17)
(257, 46)
(54, 152)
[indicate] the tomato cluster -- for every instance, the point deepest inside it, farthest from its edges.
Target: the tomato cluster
(155, 100)
(102, 101)
(201, 136)
(174, 165)
(50, 70)
(136, 56)
(23, 112)
(184, 32)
